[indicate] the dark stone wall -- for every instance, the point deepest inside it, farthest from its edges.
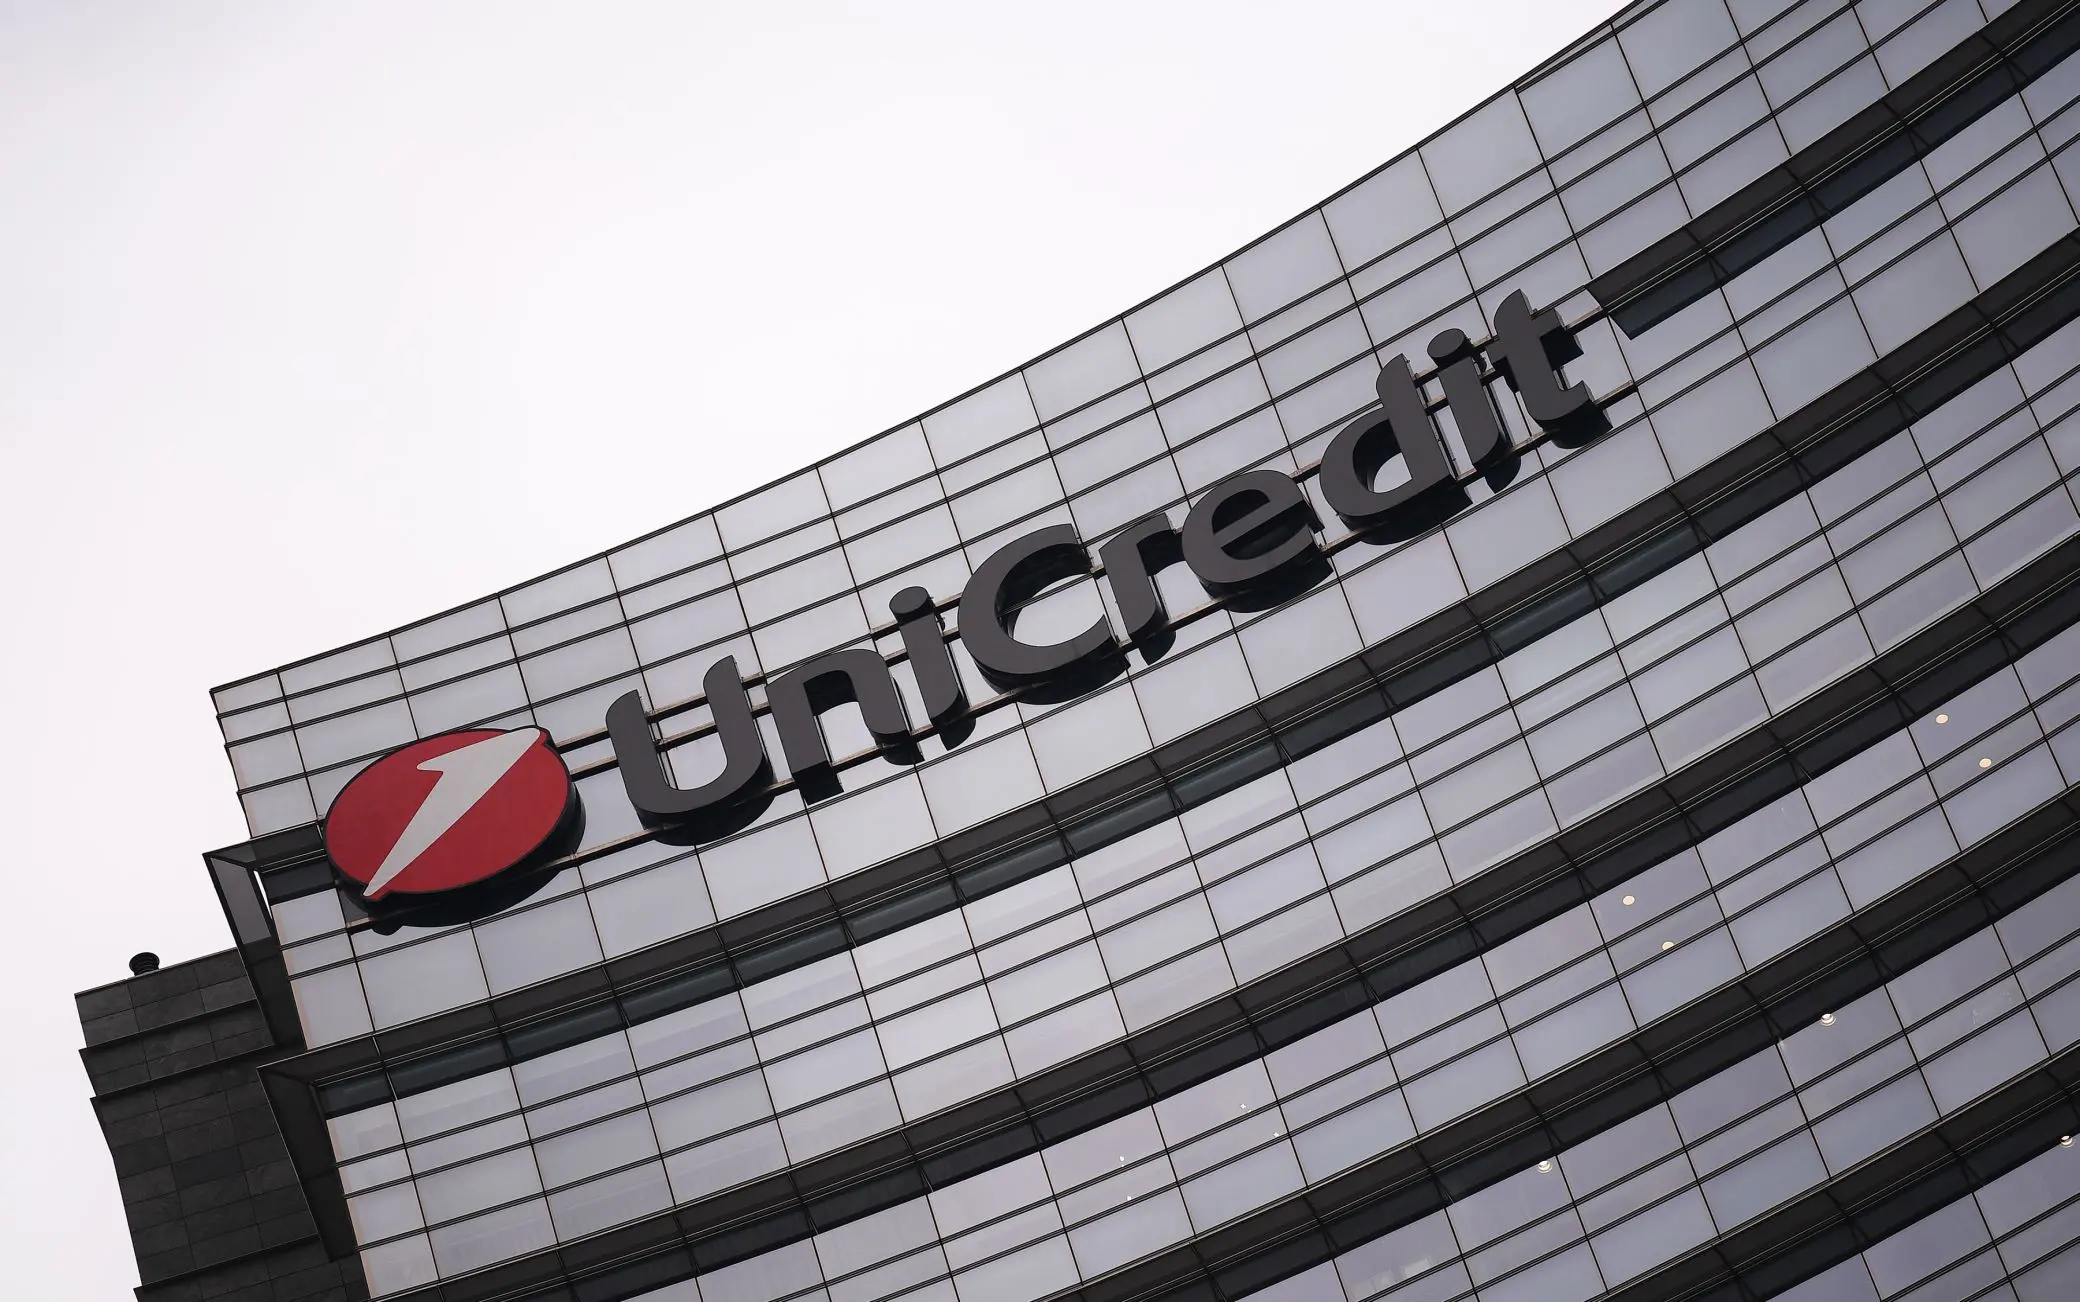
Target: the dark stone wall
(214, 1206)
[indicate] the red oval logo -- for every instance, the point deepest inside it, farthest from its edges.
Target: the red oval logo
(448, 811)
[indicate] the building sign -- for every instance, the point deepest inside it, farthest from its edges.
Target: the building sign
(452, 810)
(449, 811)
(1249, 533)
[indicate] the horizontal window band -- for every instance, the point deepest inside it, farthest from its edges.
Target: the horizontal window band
(1879, 1197)
(1081, 1113)
(1824, 972)
(1932, 106)
(1393, 956)
(1738, 488)
(1864, 1058)
(1713, 896)
(1656, 1063)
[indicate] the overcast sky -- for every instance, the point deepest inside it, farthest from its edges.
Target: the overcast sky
(318, 319)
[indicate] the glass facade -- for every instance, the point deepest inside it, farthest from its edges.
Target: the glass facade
(1652, 875)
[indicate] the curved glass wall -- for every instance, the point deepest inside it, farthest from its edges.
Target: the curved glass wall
(1359, 942)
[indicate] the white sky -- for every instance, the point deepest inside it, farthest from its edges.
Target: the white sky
(318, 319)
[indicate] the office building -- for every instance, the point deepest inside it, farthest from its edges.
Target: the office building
(1513, 739)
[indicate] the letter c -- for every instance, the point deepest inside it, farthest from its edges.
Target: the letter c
(1014, 573)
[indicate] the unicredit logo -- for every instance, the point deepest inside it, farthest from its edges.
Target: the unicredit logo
(448, 811)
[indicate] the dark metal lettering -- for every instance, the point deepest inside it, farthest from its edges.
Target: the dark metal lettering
(1132, 558)
(1401, 427)
(831, 679)
(931, 664)
(1247, 529)
(744, 763)
(1017, 571)
(1473, 411)
(1530, 348)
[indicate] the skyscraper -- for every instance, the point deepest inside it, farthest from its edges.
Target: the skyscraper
(1513, 739)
